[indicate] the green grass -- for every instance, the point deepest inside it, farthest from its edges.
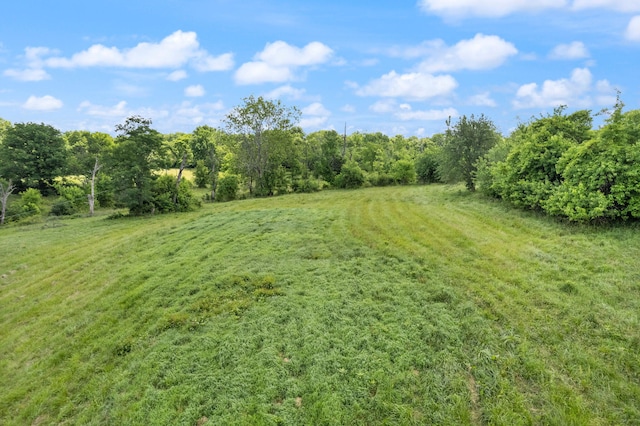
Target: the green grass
(411, 305)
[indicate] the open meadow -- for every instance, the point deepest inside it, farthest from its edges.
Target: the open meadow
(396, 305)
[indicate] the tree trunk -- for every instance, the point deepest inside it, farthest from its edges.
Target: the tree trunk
(4, 197)
(183, 164)
(92, 198)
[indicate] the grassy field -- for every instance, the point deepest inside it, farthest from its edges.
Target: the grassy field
(412, 305)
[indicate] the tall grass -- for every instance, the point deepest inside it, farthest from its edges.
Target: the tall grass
(412, 305)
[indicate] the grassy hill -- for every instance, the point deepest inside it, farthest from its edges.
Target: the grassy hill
(412, 305)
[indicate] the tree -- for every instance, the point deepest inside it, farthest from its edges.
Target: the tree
(87, 153)
(263, 127)
(179, 147)
(32, 155)
(203, 145)
(465, 142)
(5, 190)
(136, 154)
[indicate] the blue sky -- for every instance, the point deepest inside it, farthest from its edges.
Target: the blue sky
(398, 67)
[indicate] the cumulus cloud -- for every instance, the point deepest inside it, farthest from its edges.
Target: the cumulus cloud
(174, 51)
(118, 110)
(482, 52)
(177, 75)
(314, 116)
(286, 91)
(494, 8)
(406, 113)
(499, 8)
(573, 50)
(194, 91)
(633, 29)
(482, 99)
(27, 74)
(417, 86)
(574, 91)
(279, 61)
(617, 5)
(44, 103)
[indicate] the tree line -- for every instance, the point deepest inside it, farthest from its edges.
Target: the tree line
(555, 163)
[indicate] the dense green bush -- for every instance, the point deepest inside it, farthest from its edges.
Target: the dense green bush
(227, 188)
(427, 166)
(602, 176)
(201, 174)
(351, 176)
(403, 172)
(166, 198)
(306, 185)
(31, 202)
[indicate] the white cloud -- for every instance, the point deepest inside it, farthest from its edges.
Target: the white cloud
(494, 8)
(177, 75)
(499, 8)
(175, 50)
(617, 5)
(573, 50)
(194, 91)
(282, 54)
(189, 114)
(118, 110)
(633, 29)
(410, 86)
(482, 52)
(406, 113)
(44, 103)
(383, 106)
(278, 62)
(348, 108)
(482, 99)
(28, 74)
(575, 91)
(285, 91)
(314, 116)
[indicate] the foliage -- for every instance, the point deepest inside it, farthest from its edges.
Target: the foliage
(228, 188)
(466, 142)
(600, 176)
(31, 202)
(403, 172)
(32, 155)
(164, 194)
(264, 128)
(73, 194)
(426, 165)
(351, 176)
(136, 155)
(306, 185)
(202, 174)
(528, 176)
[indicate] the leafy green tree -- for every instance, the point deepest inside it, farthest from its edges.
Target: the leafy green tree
(351, 176)
(168, 198)
(204, 145)
(403, 172)
(137, 153)
(426, 164)
(87, 153)
(601, 176)
(529, 174)
(179, 145)
(32, 155)
(264, 130)
(228, 188)
(465, 142)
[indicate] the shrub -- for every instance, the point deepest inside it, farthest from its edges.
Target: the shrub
(227, 188)
(164, 194)
(306, 185)
(403, 172)
(201, 174)
(62, 207)
(351, 176)
(31, 201)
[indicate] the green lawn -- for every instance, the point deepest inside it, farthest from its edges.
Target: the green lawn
(400, 305)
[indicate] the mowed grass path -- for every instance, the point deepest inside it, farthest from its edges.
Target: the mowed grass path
(411, 305)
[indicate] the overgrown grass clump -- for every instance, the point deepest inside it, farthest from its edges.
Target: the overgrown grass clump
(412, 305)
